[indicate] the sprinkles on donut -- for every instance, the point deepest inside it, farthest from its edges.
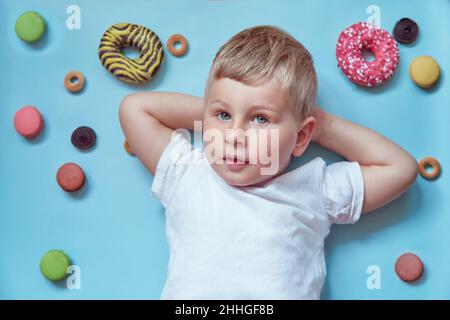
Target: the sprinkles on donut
(365, 36)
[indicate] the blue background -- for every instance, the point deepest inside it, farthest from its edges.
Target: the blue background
(115, 230)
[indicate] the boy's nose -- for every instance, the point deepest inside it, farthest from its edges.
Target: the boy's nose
(235, 135)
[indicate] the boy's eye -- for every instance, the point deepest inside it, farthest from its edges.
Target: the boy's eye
(261, 120)
(224, 116)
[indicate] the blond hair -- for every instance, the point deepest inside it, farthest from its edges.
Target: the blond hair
(255, 55)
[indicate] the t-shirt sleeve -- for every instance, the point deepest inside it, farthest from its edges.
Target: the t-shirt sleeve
(343, 191)
(171, 168)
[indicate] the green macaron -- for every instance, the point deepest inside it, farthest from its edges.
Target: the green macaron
(54, 265)
(30, 26)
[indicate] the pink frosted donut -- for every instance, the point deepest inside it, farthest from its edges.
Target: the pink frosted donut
(365, 36)
(28, 122)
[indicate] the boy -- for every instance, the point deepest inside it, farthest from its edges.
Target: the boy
(238, 225)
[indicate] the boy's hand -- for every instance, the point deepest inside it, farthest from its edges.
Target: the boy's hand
(322, 121)
(388, 170)
(149, 118)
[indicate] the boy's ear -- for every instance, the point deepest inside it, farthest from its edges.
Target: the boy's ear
(304, 135)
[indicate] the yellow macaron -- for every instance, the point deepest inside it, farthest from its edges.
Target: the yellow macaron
(424, 71)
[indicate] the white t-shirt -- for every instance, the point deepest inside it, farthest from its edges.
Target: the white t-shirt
(228, 242)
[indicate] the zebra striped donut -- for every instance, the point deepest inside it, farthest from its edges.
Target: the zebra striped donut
(134, 71)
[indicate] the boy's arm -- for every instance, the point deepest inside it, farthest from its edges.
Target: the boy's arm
(388, 170)
(149, 118)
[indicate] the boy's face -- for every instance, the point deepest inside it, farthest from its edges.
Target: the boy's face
(251, 132)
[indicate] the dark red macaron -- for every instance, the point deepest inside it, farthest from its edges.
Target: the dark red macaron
(409, 267)
(83, 138)
(70, 177)
(406, 31)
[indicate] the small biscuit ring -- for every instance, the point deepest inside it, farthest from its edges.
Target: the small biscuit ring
(429, 162)
(128, 148)
(177, 52)
(74, 86)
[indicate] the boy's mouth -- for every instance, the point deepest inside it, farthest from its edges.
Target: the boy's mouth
(234, 160)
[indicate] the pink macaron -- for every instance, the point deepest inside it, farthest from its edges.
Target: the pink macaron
(28, 122)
